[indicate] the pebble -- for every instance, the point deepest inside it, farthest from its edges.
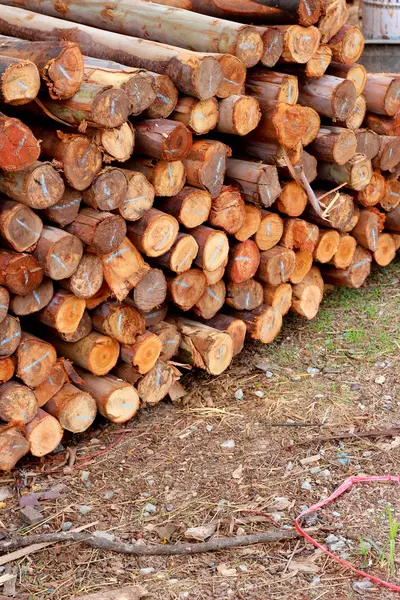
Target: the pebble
(344, 458)
(325, 473)
(209, 428)
(387, 398)
(296, 378)
(66, 526)
(337, 546)
(84, 510)
(243, 568)
(5, 492)
(58, 449)
(269, 374)
(387, 406)
(315, 470)
(173, 581)
(147, 570)
(30, 515)
(331, 539)
(319, 396)
(85, 476)
(306, 485)
(228, 445)
(315, 581)
(381, 379)
(362, 586)
(355, 387)
(336, 514)
(94, 441)
(380, 364)
(108, 495)
(169, 508)
(149, 481)
(259, 394)
(239, 395)
(150, 508)
(313, 371)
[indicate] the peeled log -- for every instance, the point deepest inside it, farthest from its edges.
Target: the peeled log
(278, 296)
(66, 210)
(334, 144)
(199, 116)
(139, 196)
(155, 385)
(190, 206)
(167, 178)
(13, 446)
(382, 124)
(51, 385)
(120, 321)
(391, 197)
(19, 148)
(44, 433)
(374, 192)
(292, 200)
(185, 289)
(60, 63)
(87, 279)
(385, 251)
(35, 360)
(300, 235)
(327, 246)
(206, 165)
(276, 265)
(108, 190)
(317, 65)
(356, 173)
(33, 302)
(20, 227)
(101, 232)
(307, 295)
(17, 403)
(271, 87)
(115, 144)
(304, 261)
(144, 353)
(166, 97)
(151, 291)
(368, 142)
(347, 44)
(355, 275)
(83, 329)
(180, 256)
(58, 252)
(75, 410)
(123, 269)
(272, 40)
(211, 301)
(270, 230)
(258, 183)
(263, 323)
(163, 139)
(382, 93)
(246, 295)
(19, 273)
(330, 96)
(96, 353)
(244, 259)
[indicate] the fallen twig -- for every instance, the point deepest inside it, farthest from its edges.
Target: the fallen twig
(357, 434)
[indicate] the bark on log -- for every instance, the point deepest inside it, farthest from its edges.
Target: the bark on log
(101, 232)
(155, 385)
(276, 265)
(66, 210)
(270, 231)
(155, 317)
(334, 144)
(272, 153)
(144, 353)
(150, 292)
(347, 44)
(355, 119)
(391, 197)
(278, 296)
(181, 255)
(227, 210)
(19, 147)
(271, 87)
(385, 251)
(20, 80)
(317, 65)
(357, 73)
(51, 385)
(13, 446)
(330, 96)
(199, 116)
(233, 75)
(83, 329)
(20, 227)
(238, 115)
(258, 183)
(96, 353)
(307, 295)
(382, 93)
(19, 273)
(382, 124)
(392, 222)
(356, 173)
(292, 200)
(374, 192)
(334, 16)
(87, 280)
(10, 335)
(170, 339)
(119, 321)
(38, 186)
(191, 206)
(303, 263)
(355, 275)
(123, 269)
(366, 230)
(272, 40)
(185, 289)
(44, 433)
(251, 223)
(203, 346)
(286, 125)
(211, 301)
(368, 142)
(35, 360)
(60, 63)
(58, 252)
(7, 369)
(299, 43)
(263, 323)
(215, 276)
(167, 178)
(206, 165)
(235, 328)
(246, 295)
(244, 260)
(74, 409)
(213, 247)
(154, 233)
(327, 245)
(108, 190)
(388, 156)
(17, 403)
(194, 73)
(115, 144)
(138, 197)
(63, 312)
(342, 214)
(163, 139)
(33, 302)
(166, 97)
(79, 157)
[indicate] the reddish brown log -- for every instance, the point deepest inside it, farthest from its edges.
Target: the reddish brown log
(300, 235)
(144, 353)
(244, 259)
(347, 44)
(285, 124)
(251, 223)
(86, 281)
(191, 206)
(366, 230)
(382, 93)
(388, 156)
(166, 97)
(271, 87)
(391, 197)
(276, 265)
(327, 245)
(374, 192)
(355, 120)
(356, 173)
(44, 433)
(206, 164)
(20, 81)
(96, 353)
(170, 338)
(167, 178)
(58, 252)
(382, 124)
(341, 211)
(66, 210)
(115, 144)
(19, 148)
(108, 190)
(317, 65)
(292, 200)
(185, 289)
(13, 446)
(385, 250)
(154, 233)
(83, 329)
(263, 323)
(213, 247)
(51, 385)
(123, 269)
(278, 296)
(215, 276)
(299, 43)
(101, 232)
(334, 144)
(357, 73)
(238, 115)
(119, 321)
(181, 255)
(211, 301)
(10, 335)
(334, 16)
(75, 410)
(270, 231)
(344, 255)
(258, 183)
(199, 116)
(155, 317)
(233, 75)
(20, 227)
(235, 328)
(330, 96)
(246, 295)
(272, 40)
(7, 369)
(304, 261)
(163, 139)
(150, 292)
(307, 295)
(35, 360)
(101, 295)
(138, 197)
(63, 312)
(227, 210)
(19, 273)
(368, 142)
(37, 186)
(355, 275)
(33, 302)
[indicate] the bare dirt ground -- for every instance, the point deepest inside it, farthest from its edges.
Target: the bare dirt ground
(170, 470)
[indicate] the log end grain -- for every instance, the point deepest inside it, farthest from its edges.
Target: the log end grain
(44, 433)
(18, 146)
(20, 82)
(13, 446)
(249, 46)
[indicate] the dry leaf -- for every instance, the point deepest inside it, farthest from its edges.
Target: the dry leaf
(201, 533)
(237, 473)
(225, 571)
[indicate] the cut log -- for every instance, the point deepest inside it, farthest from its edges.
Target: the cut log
(58, 253)
(137, 84)
(334, 16)
(78, 155)
(385, 251)
(167, 178)
(244, 259)
(63, 312)
(233, 75)
(20, 227)
(206, 165)
(96, 353)
(355, 119)
(44, 433)
(258, 183)
(108, 190)
(20, 80)
(303, 263)
(203, 346)
(270, 231)
(35, 360)
(87, 280)
(382, 93)
(7, 369)
(103, 294)
(170, 338)
(83, 329)
(123, 269)
(138, 196)
(396, 239)
(60, 63)
(271, 87)
(251, 223)
(317, 65)
(74, 409)
(163, 139)
(154, 233)
(392, 222)
(193, 73)
(286, 125)
(13, 446)
(388, 156)
(180, 257)
(19, 273)
(227, 210)
(19, 147)
(51, 385)
(355, 275)
(299, 234)
(213, 247)
(155, 385)
(190, 206)
(307, 294)
(368, 142)
(185, 289)
(215, 276)
(199, 116)
(357, 73)
(115, 144)
(334, 144)
(150, 292)
(235, 328)
(356, 173)
(344, 255)
(246, 295)
(263, 323)
(116, 400)
(347, 44)
(272, 40)
(279, 296)
(382, 124)
(166, 97)
(366, 230)
(119, 321)
(391, 197)
(33, 302)
(271, 153)
(144, 353)
(37, 186)
(292, 200)
(238, 114)
(101, 232)
(327, 246)
(330, 96)
(276, 265)
(313, 125)
(374, 192)
(66, 210)
(211, 301)
(17, 403)
(340, 209)
(155, 317)
(299, 43)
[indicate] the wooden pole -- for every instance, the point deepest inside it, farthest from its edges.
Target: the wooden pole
(155, 385)
(366, 230)
(342, 214)
(286, 125)
(35, 360)
(382, 93)
(356, 173)
(355, 119)
(388, 156)
(4, 303)
(382, 124)
(368, 142)
(292, 200)
(374, 192)
(391, 197)
(392, 222)
(272, 87)
(20, 227)
(58, 252)
(385, 250)
(334, 16)
(272, 40)
(317, 65)
(327, 246)
(83, 329)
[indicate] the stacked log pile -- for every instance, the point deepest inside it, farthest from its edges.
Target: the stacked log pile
(172, 184)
